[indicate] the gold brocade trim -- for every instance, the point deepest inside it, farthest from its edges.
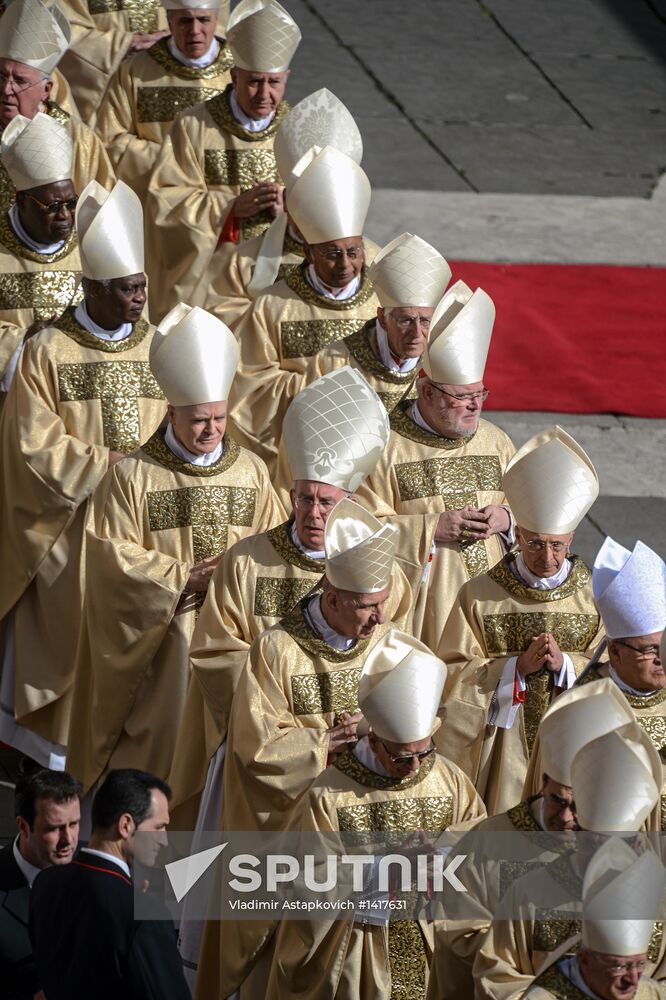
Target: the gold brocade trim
(592, 673)
(296, 280)
(391, 399)
(54, 111)
(335, 691)
(654, 726)
(280, 539)
(555, 982)
(47, 293)
(521, 817)
(511, 871)
(350, 765)
(303, 338)
(156, 449)
(9, 238)
(359, 345)
(141, 14)
(118, 385)
(256, 225)
(220, 111)
(207, 510)
(561, 872)
(538, 695)
(403, 425)
(512, 633)
(240, 168)
(407, 958)
(434, 813)
(162, 56)
(579, 577)
(451, 478)
(662, 813)
(550, 931)
(296, 626)
(162, 104)
(276, 596)
(291, 246)
(69, 325)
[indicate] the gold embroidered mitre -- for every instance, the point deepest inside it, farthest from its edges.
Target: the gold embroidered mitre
(459, 339)
(262, 36)
(36, 151)
(409, 272)
(34, 34)
(193, 356)
(109, 225)
(360, 550)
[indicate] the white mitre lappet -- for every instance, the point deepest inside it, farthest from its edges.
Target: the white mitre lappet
(36, 151)
(400, 688)
(622, 894)
(459, 340)
(109, 225)
(193, 357)
(335, 430)
(35, 35)
(630, 590)
(330, 199)
(360, 550)
(550, 483)
(409, 272)
(262, 36)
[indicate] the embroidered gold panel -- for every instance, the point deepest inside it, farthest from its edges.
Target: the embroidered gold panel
(407, 958)
(208, 510)
(449, 477)
(47, 292)
(511, 633)
(432, 813)
(335, 691)
(306, 337)
(141, 14)
(162, 104)
(239, 167)
(276, 597)
(655, 727)
(555, 982)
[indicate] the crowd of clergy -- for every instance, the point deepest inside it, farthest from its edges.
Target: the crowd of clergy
(259, 541)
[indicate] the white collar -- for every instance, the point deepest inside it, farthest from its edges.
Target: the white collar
(249, 124)
(29, 872)
(310, 553)
(625, 687)
(109, 857)
(386, 358)
(367, 756)
(316, 620)
(205, 60)
(122, 333)
(540, 582)
(570, 968)
(17, 226)
(338, 294)
(174, 445)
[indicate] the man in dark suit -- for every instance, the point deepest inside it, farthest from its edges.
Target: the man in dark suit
(85, 939)
(47, 810)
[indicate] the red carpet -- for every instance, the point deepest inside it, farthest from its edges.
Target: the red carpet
(575, 338)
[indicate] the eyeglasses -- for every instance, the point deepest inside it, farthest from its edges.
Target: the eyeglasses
(538, 545)
(407, 758)
(324, 506)
(644, 652)
(405, 322)
(333, 256)
(16, 86)
(465, 397)
(622, 968)
(54, 207)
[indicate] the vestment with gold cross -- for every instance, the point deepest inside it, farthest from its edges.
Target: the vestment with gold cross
(156, 516)
(74, 398)
(494, 617)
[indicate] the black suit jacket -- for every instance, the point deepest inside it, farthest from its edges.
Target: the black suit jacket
(87, 944)
(18, 972)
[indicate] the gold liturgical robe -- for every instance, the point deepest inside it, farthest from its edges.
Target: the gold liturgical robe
(143, 99)
(286, 327)
(206, 162)
(155, 516)
(494, 617)
(74, 398)
(418, 476)
(61, 94)
(345, 959)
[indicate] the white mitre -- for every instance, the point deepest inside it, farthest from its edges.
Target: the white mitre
(409, 272)
(459, 338)
(550, 483)
(335, 430)
(320, 119)
(36, 151)
(622, 894)
(630, 590)
(262, 36)
(330, 199)
(575, 718)
(109, 225)
(193, 357)
(360, 550)
(400, 688)
(616, 780)
(35, 35)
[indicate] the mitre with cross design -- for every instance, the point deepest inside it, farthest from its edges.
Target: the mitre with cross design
(360, 550)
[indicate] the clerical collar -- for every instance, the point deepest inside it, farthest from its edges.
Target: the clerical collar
(249, 124)
(539, 582)
(310, 553)
(29, 872)
(625, 687)
(315, 619)
(109, 857)
(367, 756)
(339, 294)
(386, 355)
(81, 314)
(17, 226)
(174, 445)
(570, 968)
(205, 60)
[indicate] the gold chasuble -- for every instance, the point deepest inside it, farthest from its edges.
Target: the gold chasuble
(495, 617)
(422, 474)
(155, 517)
(286, 327)
(345, 959)
(208, 159)
(147, 92)
(74, 398)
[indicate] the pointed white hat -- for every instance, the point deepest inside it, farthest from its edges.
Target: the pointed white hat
(109, 225)
(34, 34)
(335, 430)
(630, 590)
(622, 894)
(550, 483)
(400, 688)
(616, 780)
(36, 151)
(193, 356)
(459, 339)
(262, 36)
(409, 272)
(360, 550)
(577, 717)
(331, 198)
(320, 119)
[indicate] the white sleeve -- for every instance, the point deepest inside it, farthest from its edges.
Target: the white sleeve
(502, 709)
(567, 675)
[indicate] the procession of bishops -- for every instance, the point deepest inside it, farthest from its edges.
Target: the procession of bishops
(261, 548)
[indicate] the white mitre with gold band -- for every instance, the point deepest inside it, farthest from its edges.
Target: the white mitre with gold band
(630, 590)
(330, 199)
(360, 550)
(616, 780)
(622, 894)
(34, 34)
(575, 718)
(193, 357)
(459, 338)
(320, 119)
(262, 36)
(409, 272)
(109, 225)
(400, 688)
(36, 151)
(335, 430)
(550, 483)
